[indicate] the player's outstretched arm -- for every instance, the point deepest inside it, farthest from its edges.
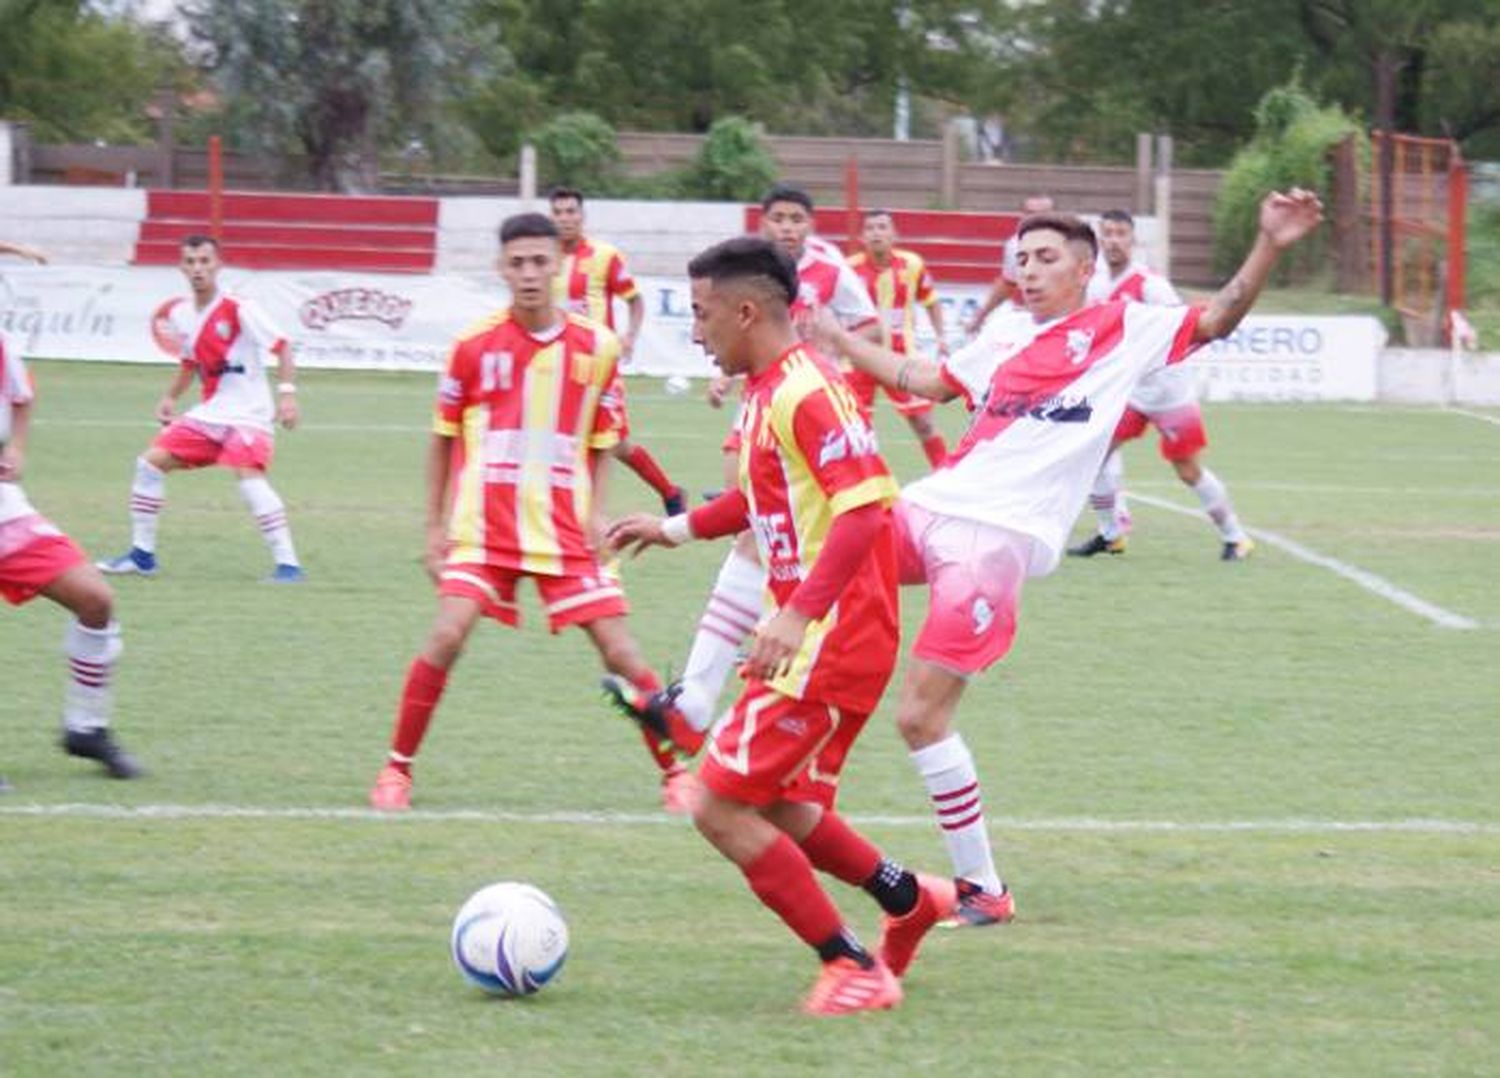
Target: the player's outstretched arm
(166, 408)
(32, 253)
(728, 514)
(286, 385)
(13, 452)
(911, 374)
(439, 468)
(1284, 220)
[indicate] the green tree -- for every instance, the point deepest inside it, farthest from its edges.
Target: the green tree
(341, 78)
(733, 164)
(75, 74)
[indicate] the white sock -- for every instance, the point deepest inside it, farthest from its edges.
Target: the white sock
(1215, 498)
(1108, 496)
(728, 620)
(953, 785)
(270, 517)
(147, 495)
(91, 653)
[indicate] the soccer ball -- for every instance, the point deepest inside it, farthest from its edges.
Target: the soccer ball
(677, 385)
(510, 939)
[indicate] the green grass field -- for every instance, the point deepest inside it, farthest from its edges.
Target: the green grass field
(1251, 812)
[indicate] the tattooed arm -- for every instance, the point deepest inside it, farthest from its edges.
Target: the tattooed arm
(1284, 219)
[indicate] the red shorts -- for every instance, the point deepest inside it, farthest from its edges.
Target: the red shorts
(1181, 429)
(33, 553)
(864, 388)
(777, 748)
(569, 600)
(974, 573)
(199, 445)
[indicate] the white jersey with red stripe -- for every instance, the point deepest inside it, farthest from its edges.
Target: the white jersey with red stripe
(15, 388)
(1045, 400)
(226, 343)
(824, 279)
(1168, 389)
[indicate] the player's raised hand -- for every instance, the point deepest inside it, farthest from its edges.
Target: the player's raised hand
(636, 532)
(286, 411)
(1286, 217)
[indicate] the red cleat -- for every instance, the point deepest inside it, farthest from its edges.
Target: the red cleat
(978, 908)
(392, 790)
(679, 791)
(846, 987)
(900, 937)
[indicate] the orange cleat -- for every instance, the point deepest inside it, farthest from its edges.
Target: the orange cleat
(846, 987)
(679, 791)
(900, 937)
(392, 790)
(978, 908)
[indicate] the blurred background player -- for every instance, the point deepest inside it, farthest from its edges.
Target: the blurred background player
(1045, 405)
(515, 473)
(898, 283)
(38, 559)
(824, 282)
(225, 342)
(1166, 399)
(591, 278)
(816, 494)
(1005, 288)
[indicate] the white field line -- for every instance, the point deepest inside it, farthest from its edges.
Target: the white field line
(1475, 415)
(1085, 825)
(339, 428)
(1282, 486)
(1375, 585)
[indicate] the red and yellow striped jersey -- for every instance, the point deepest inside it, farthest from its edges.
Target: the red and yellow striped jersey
(808, 454)
(897, 289)
(525, 412)
(591, 279)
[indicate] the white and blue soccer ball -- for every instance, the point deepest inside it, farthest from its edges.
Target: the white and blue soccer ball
(510, 939)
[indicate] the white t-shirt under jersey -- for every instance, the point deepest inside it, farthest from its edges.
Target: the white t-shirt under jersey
(228, 343)
(15, 388)
(1045, 401)
(1168, 389)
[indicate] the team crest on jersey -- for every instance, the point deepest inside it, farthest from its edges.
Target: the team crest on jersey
(223, 329)
(984, 616)
(1079, 343)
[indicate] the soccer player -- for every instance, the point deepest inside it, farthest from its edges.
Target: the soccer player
(1005, 287)
(592, 277)
(824, 282)
(898, 283)
(816, 493)
(1166, 399)
(1046, 396)
(38, 559)
(225, 342)
(514, 490)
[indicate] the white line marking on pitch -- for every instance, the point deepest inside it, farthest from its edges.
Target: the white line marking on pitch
(1376, 585)
(1083, 824)
(1331, 488)
(339, 428)
(1475, 415)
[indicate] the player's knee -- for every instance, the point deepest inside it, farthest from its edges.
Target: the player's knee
(921, 426)
(444, 645)
(920, 726)
(93, 603)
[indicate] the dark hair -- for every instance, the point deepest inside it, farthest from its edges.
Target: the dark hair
(748, 258)
(562, 191)
(786, 193)
(880, 213)
(1120, 216)
(522, 226)
(199, 239)
(1073, 229)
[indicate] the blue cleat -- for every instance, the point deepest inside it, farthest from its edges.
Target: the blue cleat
(136, 561)
(287, 574)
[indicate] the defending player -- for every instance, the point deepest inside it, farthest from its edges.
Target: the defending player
(1046, 398)
(38, 559)
(816, 493)
(824, 282)
(898, 283)
(1165, 399)
(514, 490)
(225, 342)
(592, 276)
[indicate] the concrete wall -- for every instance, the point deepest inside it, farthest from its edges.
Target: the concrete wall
(89, 226)
(1430, 376)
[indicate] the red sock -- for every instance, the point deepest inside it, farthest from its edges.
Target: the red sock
(936, 449)
(782, 878)
(666, 759)
(640, 461)
(424, 688)
(837, 849)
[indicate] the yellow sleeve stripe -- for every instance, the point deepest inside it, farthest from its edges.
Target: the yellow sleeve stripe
(877, 488)
(441, 426)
